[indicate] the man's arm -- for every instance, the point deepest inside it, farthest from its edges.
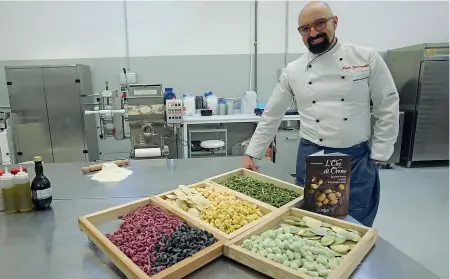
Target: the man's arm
(279, 101)
(385, 101)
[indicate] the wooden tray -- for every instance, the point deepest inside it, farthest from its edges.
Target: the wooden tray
(276, 270)
(88, 224)
(265, 209)
(298, 202)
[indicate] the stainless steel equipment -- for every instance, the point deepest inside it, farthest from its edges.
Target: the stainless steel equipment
(146, 117)
(4, 116)
(47, 106)
(111, 124)
(290, 125)
(287, 142)
(421, 75)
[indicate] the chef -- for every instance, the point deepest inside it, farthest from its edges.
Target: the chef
(334, 85)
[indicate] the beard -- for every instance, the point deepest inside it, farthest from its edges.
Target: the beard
(320, 47)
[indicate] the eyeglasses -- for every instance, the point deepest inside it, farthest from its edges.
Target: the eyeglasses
(319, 25)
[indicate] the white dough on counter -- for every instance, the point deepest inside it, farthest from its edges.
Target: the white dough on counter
(111, 172)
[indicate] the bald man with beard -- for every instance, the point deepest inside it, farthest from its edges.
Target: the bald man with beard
(334, 85)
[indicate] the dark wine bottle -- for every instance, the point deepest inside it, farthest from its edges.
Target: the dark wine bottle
(41, 188)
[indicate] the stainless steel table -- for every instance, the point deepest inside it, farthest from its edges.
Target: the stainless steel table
(49, 244)
(149, 177)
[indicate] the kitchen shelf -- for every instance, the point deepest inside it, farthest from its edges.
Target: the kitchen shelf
(221, 151)
(207, 152)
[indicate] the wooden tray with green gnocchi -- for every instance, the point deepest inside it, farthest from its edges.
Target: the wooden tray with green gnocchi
(298, 244)
(219, 209)
(261, 189)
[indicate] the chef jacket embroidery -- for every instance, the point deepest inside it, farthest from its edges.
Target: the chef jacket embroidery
(333, 93)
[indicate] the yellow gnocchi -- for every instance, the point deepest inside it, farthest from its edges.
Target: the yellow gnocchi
(226, 212)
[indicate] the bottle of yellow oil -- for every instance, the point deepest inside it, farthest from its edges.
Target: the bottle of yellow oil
(2, 205)
(23, 189)
(10, 199)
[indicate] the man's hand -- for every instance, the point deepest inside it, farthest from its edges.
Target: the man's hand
(248, 163)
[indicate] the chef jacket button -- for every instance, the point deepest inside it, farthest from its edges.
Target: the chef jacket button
(321, 139)
(317, 120)
(310, 82)
(341, 59)
(309, 66)
(342, 99)
(342, 77)
(313, 102)
(345, 119)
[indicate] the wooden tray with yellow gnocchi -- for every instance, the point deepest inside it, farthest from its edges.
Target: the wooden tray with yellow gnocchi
(219, 209)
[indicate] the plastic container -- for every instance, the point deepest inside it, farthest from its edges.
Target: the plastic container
(232, 103)
(230, 107)
(222, 107)
(23, 189)
(189, 105)
(9, 192)
(248, 103)
(212, 102)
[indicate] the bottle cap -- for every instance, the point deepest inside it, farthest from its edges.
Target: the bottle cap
(21, 174)
(7, 175)
(16, 170)
(37, 158)
(169, 96)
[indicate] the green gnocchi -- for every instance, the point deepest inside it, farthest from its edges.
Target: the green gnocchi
(291, 250)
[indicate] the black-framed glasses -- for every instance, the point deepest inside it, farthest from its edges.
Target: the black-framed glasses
(319, 25)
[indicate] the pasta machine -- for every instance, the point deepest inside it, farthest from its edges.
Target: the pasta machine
(147, 120)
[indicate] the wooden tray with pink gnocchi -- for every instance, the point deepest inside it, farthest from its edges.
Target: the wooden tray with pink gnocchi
(151, 240)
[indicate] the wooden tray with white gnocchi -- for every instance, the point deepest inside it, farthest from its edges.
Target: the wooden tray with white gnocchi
(219, 209)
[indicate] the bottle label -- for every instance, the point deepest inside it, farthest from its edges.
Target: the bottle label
(42, 194)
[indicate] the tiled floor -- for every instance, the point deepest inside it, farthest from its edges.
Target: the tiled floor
(414, 214)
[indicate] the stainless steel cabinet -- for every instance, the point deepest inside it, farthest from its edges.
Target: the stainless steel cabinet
(431, 134)
(421, 75)
(287, 146)
(29, 113)
(47, 107)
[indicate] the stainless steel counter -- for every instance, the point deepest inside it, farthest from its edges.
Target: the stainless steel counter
(49, 244)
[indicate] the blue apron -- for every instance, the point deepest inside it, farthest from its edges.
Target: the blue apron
(364, 180)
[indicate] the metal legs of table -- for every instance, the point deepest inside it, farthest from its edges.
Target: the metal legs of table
(186, 144)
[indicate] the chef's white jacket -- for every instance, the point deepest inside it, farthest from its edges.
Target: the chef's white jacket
(333, 92)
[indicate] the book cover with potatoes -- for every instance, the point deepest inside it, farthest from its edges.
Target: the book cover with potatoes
(327, 183)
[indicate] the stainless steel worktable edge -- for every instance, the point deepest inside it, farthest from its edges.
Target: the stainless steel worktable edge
(48, 244)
